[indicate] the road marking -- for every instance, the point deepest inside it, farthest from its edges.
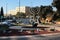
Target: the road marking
(15, 37)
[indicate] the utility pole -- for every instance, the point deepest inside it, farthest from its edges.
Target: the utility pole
(19, 8)
(6, 9)
(19, 5)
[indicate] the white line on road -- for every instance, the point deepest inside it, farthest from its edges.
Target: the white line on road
(15, 37)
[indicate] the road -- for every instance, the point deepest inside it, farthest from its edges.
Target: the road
(31, 37)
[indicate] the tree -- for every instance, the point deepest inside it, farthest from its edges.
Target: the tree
(2, 13)
(20, 15)
(44, 11)
(56, 3)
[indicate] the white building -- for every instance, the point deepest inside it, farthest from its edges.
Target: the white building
(23, 9)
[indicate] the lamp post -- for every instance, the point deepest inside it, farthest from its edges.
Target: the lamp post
(19, 5)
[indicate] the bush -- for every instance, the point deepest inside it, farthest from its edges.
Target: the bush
(4, 27)
(52, 29)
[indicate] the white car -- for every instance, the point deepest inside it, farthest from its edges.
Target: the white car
(7, 22)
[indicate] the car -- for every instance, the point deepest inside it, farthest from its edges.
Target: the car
(7, 22)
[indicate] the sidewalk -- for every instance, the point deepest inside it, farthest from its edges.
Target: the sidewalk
(50, 34)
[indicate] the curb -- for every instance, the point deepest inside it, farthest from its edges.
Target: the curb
(50, 34)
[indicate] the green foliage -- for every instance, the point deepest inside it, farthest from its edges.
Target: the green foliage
(4, 27)
(2, 13)
(52, 29)
(20, 15)
(58, 19)
(45, 11)
(56, 3)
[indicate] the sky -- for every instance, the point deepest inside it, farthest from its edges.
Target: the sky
(12, 4)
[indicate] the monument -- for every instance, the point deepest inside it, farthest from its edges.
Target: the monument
(34, 11)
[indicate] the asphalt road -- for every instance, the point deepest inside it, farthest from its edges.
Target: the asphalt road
(55, 37)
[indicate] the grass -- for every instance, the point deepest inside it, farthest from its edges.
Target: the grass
(46, 24)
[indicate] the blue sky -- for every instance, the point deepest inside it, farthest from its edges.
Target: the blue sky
(12, 4)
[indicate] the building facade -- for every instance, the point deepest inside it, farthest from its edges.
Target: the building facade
(23, 9)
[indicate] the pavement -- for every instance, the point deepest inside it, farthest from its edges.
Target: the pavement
(32, 37)
(51, 34)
